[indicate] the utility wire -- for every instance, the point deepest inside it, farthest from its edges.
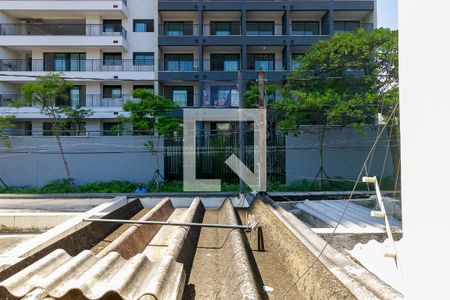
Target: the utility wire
(343, 212)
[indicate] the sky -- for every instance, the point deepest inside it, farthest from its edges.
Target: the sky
(387, 11)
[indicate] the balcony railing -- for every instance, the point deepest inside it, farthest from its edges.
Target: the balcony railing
(60, 29)
(221, 66)
(177, 29)
(88, 100)
(257, 29)
(76, 65)
(267, 65)
(222, 29)
(179, 65)
(340, 27)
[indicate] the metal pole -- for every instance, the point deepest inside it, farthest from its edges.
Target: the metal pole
(241, 135)
(262, 134)
(243, 227)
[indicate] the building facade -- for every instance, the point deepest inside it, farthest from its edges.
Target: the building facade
(195, 53)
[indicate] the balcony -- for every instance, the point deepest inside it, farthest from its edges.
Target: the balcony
(63, 35)
(351, 26)
(22, 9)
(88, 100)
(88, 69)
(179, 65)
(76, 65)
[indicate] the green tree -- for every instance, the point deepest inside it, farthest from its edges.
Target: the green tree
(74, 118)
(347, 80)
(152, 113)
(5, 123)
(45, 92)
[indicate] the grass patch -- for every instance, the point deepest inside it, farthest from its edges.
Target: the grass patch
(61, 186)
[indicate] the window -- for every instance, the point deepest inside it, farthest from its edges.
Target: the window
(112, 91)
(179, 62)
(112, 59)
(224, 96)
(77, 95)
(181, 95)
(261, 62)
(143, 25)
(112, 26)
(305, 28)
(225, 62)
(178, 28)
(346, 26)
(143, 58)
(62, 62)
(260, 28)
(225, 28)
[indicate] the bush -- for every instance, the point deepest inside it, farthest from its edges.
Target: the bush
(61, 186)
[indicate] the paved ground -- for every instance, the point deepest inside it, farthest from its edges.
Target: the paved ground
(59, 205)
(9, 241)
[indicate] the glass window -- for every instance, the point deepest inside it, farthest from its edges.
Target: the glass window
(112, 25)
(181, 95)
(305, 28)
(260, 28)
(224, 96)
(65, 62)
(179, 62)
(225, 28)
(112, 91)
(224, 62)
(143, 25)
(112, 59)
(178, 28)
(346, 26)
(143, 58)
(261, 62)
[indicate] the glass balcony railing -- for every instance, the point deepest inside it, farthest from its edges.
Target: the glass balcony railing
(88, 100)
(61, 29)
(77, 65)
(179, 65)
(351, 26)
(266, 65)
(221, 65)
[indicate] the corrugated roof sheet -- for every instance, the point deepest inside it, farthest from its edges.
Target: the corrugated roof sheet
(356, 217)
(141, 262)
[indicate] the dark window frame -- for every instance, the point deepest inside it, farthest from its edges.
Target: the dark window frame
(149, 25)
(145, 61)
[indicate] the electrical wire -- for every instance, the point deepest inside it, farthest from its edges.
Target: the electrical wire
(342, 215)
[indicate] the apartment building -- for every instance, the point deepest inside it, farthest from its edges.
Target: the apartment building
(106, 47)
(195, 53)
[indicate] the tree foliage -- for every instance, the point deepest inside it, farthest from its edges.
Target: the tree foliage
(5, 123)
(75, 117)
(152, 113)
(251, 96)
(45, 93)
(345, 80)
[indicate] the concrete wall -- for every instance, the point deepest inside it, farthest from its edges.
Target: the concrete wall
(35, 161)
(126, 158)
(344, 153)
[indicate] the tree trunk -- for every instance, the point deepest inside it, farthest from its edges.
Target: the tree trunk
(66, 165)
(394, 147)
